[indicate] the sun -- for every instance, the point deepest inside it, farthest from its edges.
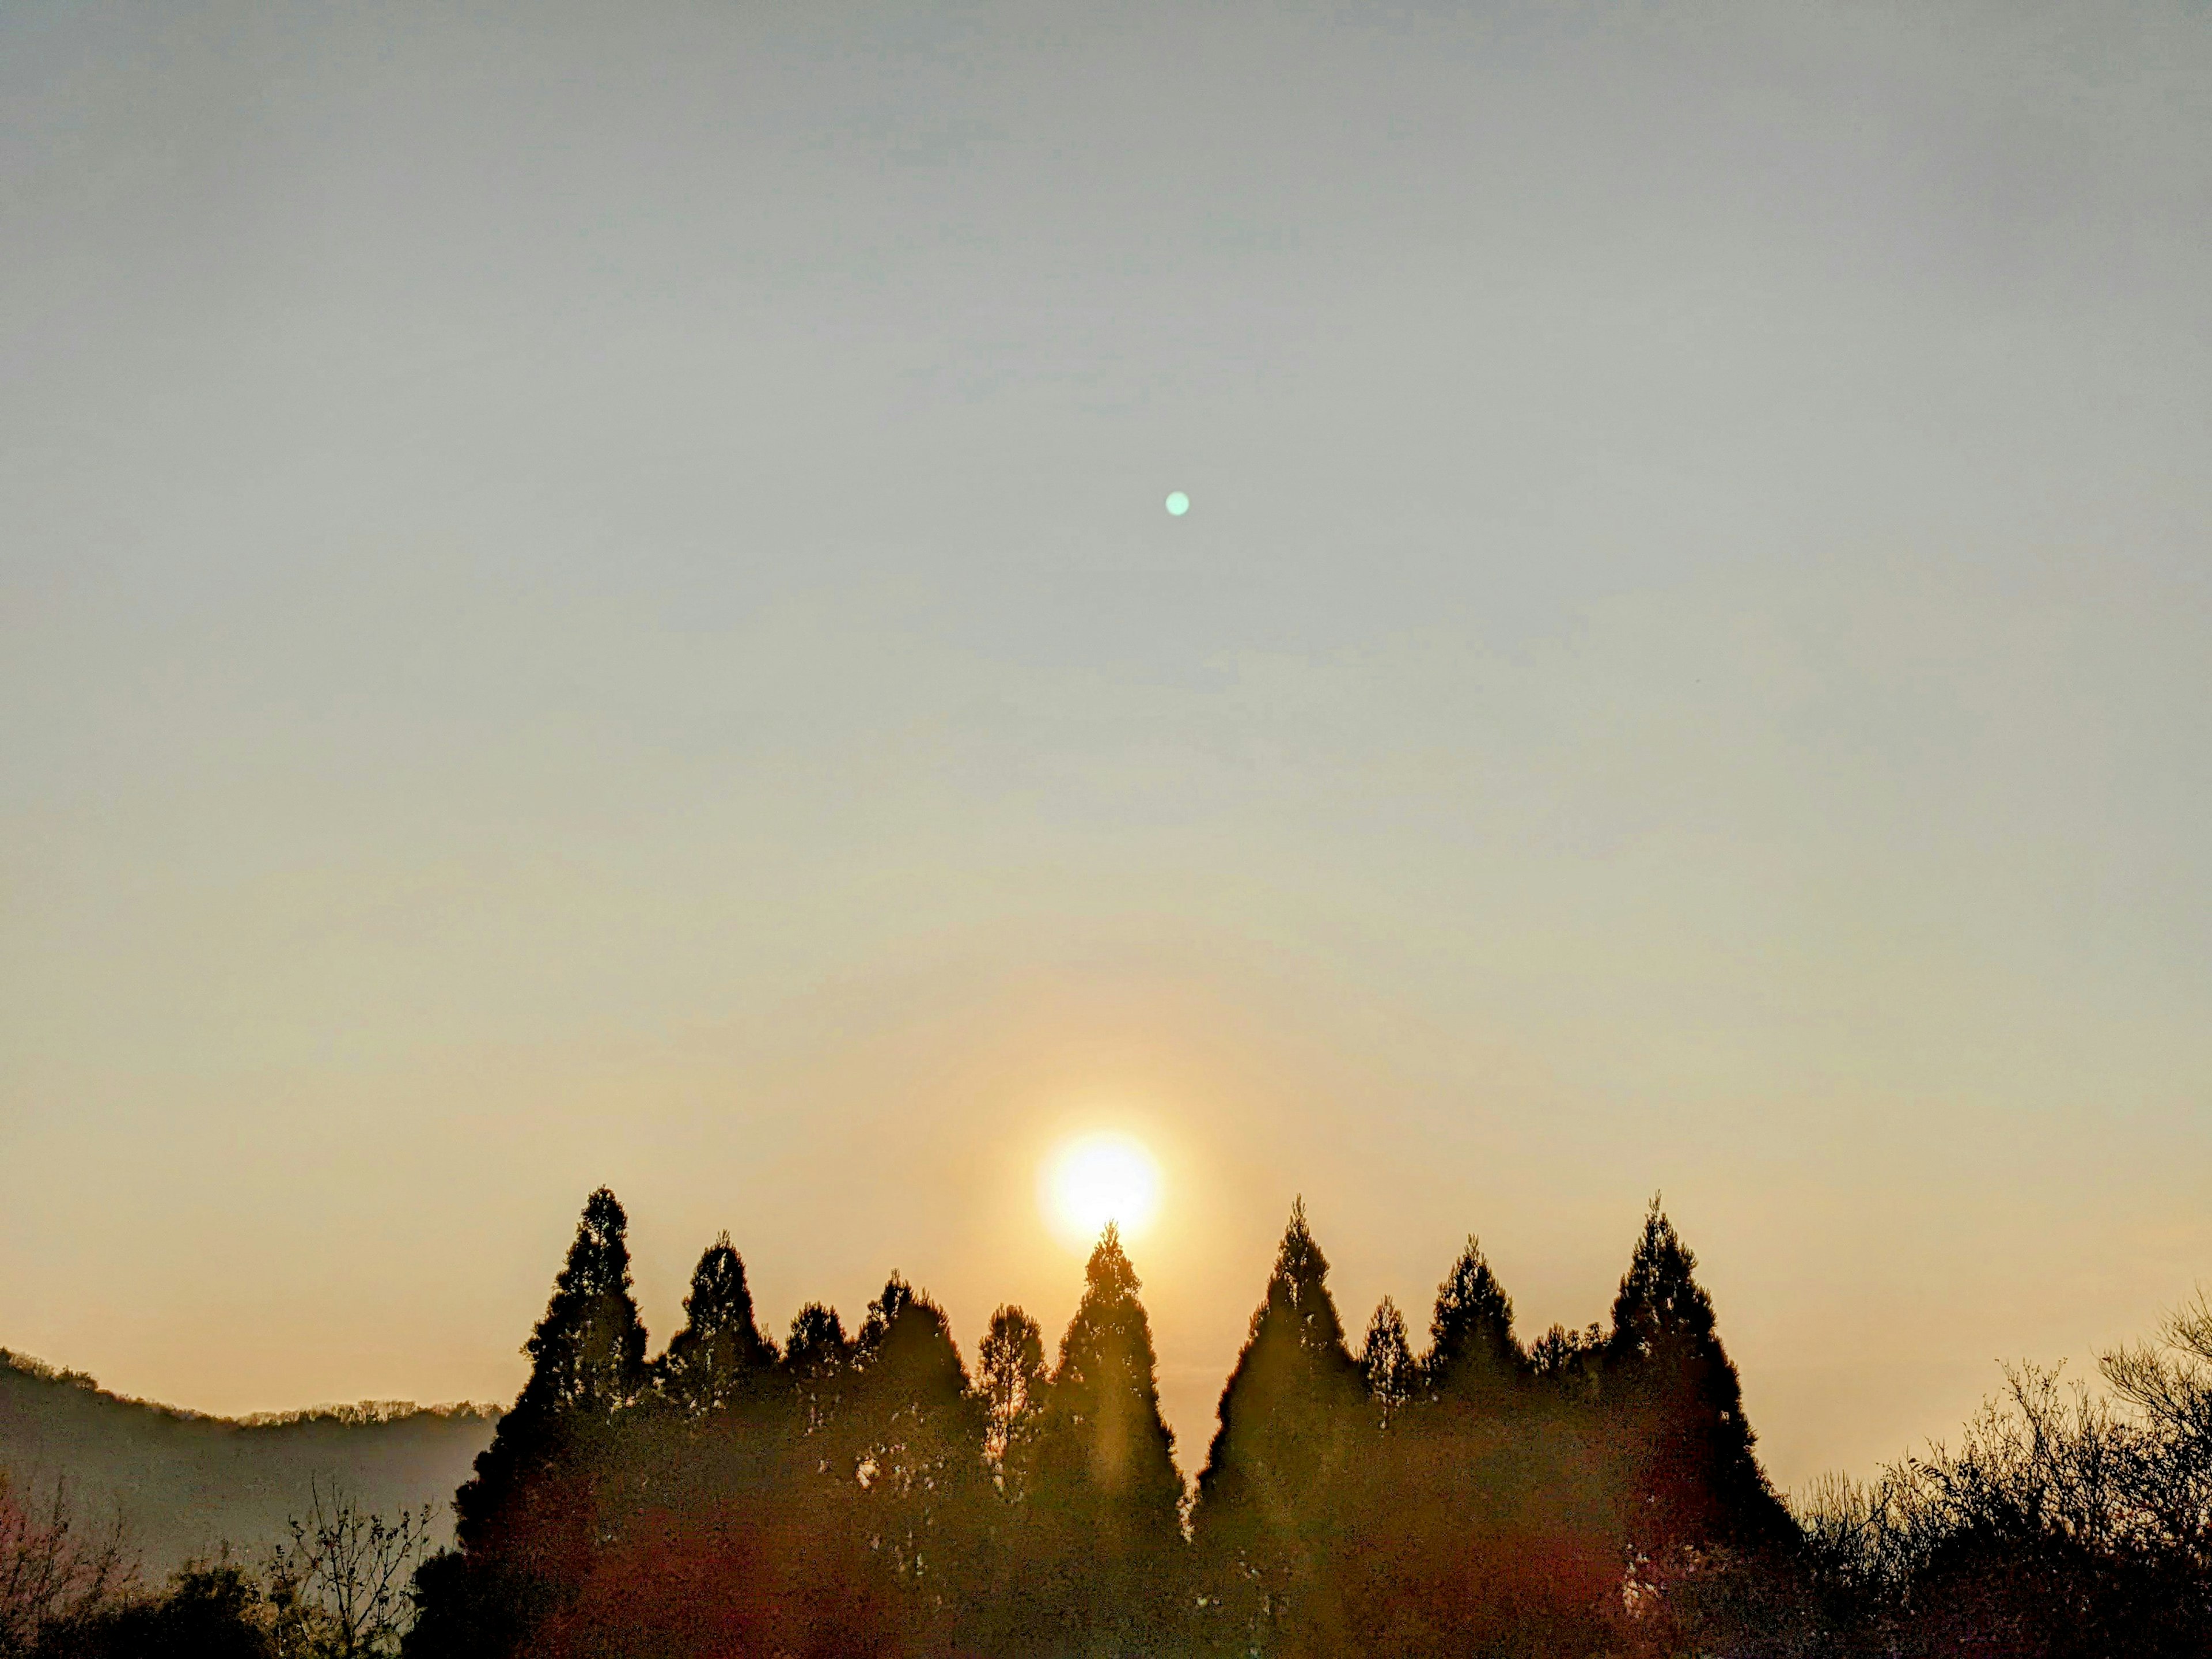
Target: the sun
(1095, 1179)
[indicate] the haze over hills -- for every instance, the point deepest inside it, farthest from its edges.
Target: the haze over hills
(187, 1484)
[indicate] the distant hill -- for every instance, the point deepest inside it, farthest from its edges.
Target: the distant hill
(187, 1484)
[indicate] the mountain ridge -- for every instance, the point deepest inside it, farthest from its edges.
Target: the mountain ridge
(187, 1485)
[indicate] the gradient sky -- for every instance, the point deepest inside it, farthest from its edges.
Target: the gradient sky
(584, 597)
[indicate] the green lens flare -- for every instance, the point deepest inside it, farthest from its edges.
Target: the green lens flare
(1178, 504)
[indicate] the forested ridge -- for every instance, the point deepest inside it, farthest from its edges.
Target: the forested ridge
(862, 1491)
(185, 1482)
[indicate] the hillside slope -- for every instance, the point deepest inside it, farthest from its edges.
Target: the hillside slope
(187, 1484)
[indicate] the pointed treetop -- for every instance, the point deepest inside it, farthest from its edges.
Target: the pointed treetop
(1471, 1342)
(718, 1280)
(1664, 1356)
(1102, 1457)
(598, 1256)
(1108, 1331)
(1109, 1275)
(588, 1351)
(1296, 1389)
(587, 1360)
(1385, 1359)
(818, 1339)
(1298, 1290)
(1660, 1303)
(711, 1360)
(721, 1301)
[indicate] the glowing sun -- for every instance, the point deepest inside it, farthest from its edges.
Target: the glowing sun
(1097, 1179)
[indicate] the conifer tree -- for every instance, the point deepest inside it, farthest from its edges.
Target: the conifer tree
(1667, 1379)
(588, 1359)
(1103, 1442)
(1293, 1416)
(587, 1354)
(719, 1356)
(1101, 1542)
(1386, 1362)
(916, 1432)
(1472, 1353)
(818, 1356)
(1010, 1362)
(525, 1523)
(1568, 1362)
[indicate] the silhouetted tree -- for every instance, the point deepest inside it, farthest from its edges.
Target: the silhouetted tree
(1472, 1351)
(1386, 1360)
(719, 1356)
(1293, 1416)
(1102, 1544)
(526, 1523)
(1102, 1445)
(337, 1588)
(915, 1433)
(587, 1354)
(1010, 1364)
(1671, 1390)
(211, 1611)
(817, 1358)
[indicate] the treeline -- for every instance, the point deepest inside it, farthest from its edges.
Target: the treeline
(183, 1482)
(2064, 1522)
(861, 1492)
(335, 1587)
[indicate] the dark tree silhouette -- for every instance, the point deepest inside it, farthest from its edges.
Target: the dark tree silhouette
(1293, 1416)
(1101, 1542)
(720, 1357)
(587, 1354)
(1386, 1360)
(527, 1523)
(1103, 1450)
(915, 1433)
(818, 1359)
(1010, 1364)
(1673, 1395)
(1472, 1351)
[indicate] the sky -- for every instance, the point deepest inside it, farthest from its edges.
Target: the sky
(584, 597)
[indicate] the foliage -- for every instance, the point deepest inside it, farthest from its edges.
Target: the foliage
(1387, 1363)
(54, 1575)
(1472, 1351)
(337, 1590)
(1011, 1362)
(183, 1483)
(862, 1493)
(2062, 1523)
(339, 1586)
(719, 1353)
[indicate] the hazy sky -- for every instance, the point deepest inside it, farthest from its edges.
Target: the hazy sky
(584, 597)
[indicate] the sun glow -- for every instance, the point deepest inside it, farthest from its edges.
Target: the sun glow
(1097, 1179)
